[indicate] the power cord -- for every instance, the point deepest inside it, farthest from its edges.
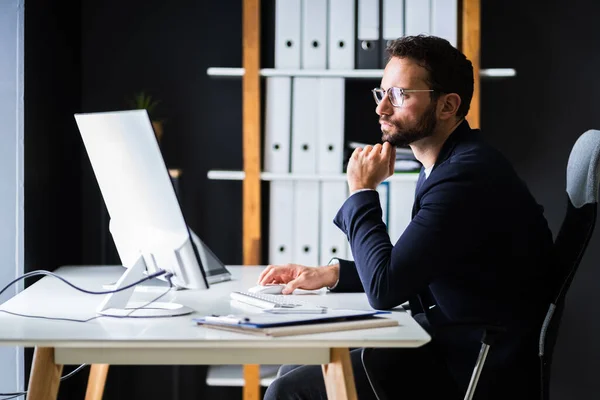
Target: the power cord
(42, 272)
(129, 315)
(168, 277)
(14, 395)
(362, 360)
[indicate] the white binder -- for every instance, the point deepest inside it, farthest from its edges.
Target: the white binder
(367, 44)
(392, 21)
(314, 34)
(288, 41)
(277, 159)
(306, 223)
(340, 49)
(333, 242)
(277, 124)
(305, 108)
(384, 198)
(330, 137)
(330, 158)
(401, 200)
(417, 17)
(281, 233)
(444, 20)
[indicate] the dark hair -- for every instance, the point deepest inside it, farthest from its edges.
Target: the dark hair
(449, 70)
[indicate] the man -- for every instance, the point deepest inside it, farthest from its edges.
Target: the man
(477, 248)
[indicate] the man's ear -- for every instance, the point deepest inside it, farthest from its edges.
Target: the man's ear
(448, 105)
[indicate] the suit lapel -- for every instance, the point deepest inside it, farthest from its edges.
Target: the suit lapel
(445, 153)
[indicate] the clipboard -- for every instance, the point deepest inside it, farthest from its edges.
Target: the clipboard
(297, 324)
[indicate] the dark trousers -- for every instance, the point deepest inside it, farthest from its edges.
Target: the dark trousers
(400, 373)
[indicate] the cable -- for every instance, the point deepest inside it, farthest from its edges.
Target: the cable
(15, 396)
(41, 272)
(62, 378)
(167, 276)
(362, 360)
(70, 374)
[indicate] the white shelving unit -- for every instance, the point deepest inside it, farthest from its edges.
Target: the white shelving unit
(270, 176)
(469, 36)
(233, 375)
(350, 73)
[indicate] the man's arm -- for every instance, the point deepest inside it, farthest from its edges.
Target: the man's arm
(446, 223)
(348, 279)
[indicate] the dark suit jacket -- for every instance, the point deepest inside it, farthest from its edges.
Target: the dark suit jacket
(477, 249)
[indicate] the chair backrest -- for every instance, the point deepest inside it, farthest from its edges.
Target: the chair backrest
(583, 179)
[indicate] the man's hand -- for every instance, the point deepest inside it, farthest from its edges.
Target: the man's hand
(300, 277)
(370, 166)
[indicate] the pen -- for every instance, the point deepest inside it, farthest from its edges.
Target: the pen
(228, 319)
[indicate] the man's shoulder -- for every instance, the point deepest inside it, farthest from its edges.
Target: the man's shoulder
(477, 157)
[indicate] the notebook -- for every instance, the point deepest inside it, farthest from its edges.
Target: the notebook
(288, 324)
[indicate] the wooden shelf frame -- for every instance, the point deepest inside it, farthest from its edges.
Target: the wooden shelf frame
(470, 39)
(227, 72)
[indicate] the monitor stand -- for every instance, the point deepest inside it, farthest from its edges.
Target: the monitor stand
(118, 305)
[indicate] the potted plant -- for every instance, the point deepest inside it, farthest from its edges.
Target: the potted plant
(144, 101)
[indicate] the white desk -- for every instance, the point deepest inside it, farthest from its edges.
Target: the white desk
(177, 341)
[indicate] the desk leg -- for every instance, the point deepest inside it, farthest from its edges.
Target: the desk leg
(45, 375)
(252, 382)
(339, 379)
(96, 381)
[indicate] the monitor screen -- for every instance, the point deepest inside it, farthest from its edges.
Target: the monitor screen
(146, 221)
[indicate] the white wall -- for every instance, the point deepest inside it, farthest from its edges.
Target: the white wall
(11, 172)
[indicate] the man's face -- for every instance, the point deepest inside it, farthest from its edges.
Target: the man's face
(417, 117)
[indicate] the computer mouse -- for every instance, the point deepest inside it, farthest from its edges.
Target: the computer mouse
(267, 289)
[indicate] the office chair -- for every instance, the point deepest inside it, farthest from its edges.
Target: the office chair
(583, 181)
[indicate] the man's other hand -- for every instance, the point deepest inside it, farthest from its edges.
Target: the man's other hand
(370, 166)
(300, 277)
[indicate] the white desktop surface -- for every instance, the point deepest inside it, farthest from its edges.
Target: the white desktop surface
(177, 340)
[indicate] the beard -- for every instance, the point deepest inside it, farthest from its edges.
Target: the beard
(400, 137)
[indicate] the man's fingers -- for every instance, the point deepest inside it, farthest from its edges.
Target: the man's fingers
(386, 149)
(388, 153)
(264, 272)
(269, 277)
(292, 285)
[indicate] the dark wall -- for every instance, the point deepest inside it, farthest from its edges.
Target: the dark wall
(52, 177)
(92, 56)
(165, 49)
(52, 95)
(535, 118)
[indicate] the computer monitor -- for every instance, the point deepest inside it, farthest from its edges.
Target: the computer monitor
(146, 222)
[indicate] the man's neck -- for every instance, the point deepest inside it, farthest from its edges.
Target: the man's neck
(427, 150)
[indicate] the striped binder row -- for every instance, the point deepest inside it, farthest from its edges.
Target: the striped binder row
(349, 34)
(304, 118)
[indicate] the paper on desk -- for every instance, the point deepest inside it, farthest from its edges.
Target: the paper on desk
(263, 320)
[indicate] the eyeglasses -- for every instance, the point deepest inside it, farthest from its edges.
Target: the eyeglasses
(395, 94)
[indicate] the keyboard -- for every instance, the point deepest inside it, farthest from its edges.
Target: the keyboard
(275, 303)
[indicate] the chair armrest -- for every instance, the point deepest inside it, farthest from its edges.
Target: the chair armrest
(491, 332)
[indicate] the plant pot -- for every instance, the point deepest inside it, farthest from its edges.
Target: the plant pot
(158, 129)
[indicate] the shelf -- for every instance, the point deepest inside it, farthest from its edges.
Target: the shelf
(342, 73)
(233, 375)
(497, 73)
(271, 176)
